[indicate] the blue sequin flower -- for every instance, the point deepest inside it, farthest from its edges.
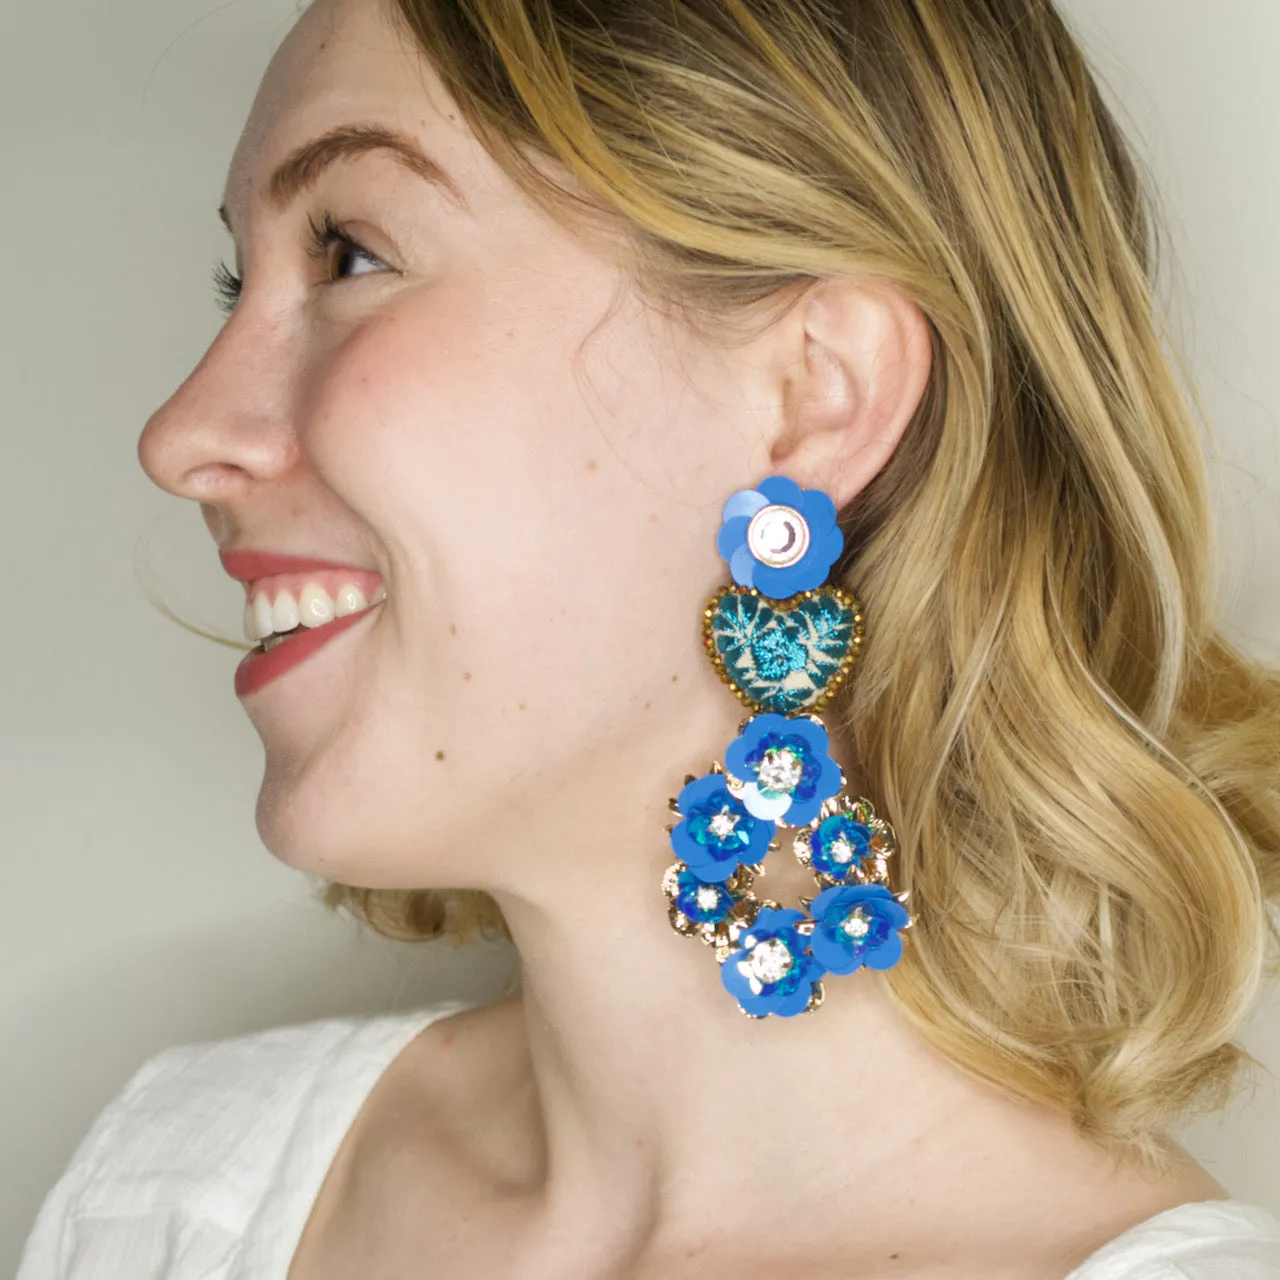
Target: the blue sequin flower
(786, 768)
(857, 925)
(717, 834)
(700, 902)
(826, 542)
(772, 972)
(839, 847)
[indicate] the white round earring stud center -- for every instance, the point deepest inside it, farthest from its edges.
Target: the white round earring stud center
(778, 536)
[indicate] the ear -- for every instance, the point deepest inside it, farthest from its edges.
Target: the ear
(853, 361)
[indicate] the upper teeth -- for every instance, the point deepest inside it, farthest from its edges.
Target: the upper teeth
(312, 608)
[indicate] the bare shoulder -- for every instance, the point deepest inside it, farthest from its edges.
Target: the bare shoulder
(455, 1088)
(469, 1050)
(1077, 1217)
(446, 1135)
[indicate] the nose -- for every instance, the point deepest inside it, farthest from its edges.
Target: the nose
(227, 429)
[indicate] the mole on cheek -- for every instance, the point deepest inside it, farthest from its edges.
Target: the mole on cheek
(439, 755)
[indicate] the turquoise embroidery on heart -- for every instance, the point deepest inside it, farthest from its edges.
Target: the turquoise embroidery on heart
(783, 656)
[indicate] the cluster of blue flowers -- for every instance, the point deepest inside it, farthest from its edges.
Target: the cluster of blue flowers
(778, 769)
(779, 772)
(777, 965)
(783, 955)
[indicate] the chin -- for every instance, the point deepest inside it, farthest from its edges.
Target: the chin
(318, 830)
(304, 835)
(291, 842)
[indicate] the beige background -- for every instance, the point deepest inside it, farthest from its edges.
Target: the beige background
(139, 907)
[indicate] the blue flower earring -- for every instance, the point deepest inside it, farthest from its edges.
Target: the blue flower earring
(783, 642)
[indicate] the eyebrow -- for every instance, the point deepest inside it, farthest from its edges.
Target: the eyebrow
(301, 169)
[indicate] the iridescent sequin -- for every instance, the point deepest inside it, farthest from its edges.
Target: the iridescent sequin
(838, 846)
(715, 826)
(863, 932)
(702, 903)
(780, 771)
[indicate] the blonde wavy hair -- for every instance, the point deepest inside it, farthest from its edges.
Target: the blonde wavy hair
(1083, 772)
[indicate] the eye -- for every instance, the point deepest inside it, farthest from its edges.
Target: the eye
(327, 236)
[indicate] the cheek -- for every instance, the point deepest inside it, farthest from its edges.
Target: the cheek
(479, 450)
(428, 418)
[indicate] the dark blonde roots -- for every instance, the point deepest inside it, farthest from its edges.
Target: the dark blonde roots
(1083, 772)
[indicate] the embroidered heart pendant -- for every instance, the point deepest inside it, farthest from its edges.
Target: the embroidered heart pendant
(784, 656)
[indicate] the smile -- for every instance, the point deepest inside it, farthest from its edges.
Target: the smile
(293, 607)
(279, 606)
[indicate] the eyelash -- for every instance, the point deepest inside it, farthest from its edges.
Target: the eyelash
(324, 235)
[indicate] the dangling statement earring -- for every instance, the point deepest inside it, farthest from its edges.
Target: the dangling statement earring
(784, 643)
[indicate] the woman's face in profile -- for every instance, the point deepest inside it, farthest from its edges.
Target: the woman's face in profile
(434, 381)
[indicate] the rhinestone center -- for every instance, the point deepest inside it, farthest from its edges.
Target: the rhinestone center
(841, 851)
(708, 897)
(723, 825)
(771, 961)
(857, 925)
(778, 536)
(780, 771)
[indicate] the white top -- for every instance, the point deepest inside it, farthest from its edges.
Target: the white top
(206, 1166)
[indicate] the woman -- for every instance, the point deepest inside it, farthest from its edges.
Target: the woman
(533, 302)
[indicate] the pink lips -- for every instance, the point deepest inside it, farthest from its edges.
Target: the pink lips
(258, 668)
(249, 566)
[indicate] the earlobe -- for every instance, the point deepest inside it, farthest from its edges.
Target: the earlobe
(866, 360)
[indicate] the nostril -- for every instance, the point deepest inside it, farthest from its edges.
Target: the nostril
(210, 480)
